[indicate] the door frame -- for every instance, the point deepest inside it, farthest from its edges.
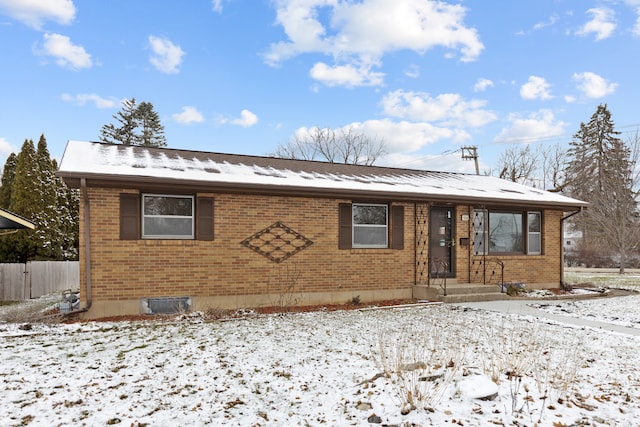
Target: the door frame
(449, 240)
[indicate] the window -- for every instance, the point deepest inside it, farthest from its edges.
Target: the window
(505, 232)
(167, 216)
(534, 221)
(370, 226)
(498, 232)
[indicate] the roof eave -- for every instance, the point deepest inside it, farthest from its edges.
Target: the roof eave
(151, 183)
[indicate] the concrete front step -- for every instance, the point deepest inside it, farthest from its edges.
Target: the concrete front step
(457, 293)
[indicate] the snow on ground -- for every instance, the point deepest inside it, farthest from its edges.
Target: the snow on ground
(623, 313)
(604, 277)
(423, 365)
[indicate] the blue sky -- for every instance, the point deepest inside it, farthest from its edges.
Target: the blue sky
(240, 76)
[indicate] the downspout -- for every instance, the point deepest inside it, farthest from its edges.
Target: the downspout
(87, 248)
(562, 220)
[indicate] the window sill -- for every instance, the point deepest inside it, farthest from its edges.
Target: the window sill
(372, 250)
(167, 242)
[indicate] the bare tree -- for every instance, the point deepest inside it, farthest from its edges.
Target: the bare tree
(334, 146)
(553, 162)
(518, 164)
(542, 167)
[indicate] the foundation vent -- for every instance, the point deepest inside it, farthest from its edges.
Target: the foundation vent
(169, 305)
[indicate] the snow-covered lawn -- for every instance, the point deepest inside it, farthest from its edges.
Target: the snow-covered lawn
(611, 279)
(423, 365)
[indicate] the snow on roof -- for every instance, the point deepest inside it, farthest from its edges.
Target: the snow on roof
(131, 163)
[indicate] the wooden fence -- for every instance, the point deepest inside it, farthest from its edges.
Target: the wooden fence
(34, 279)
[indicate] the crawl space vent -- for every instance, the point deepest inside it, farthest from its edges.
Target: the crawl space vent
(173, 305)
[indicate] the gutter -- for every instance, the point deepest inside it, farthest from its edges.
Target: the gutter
(159, 184)
(87, 249)
(562, 220)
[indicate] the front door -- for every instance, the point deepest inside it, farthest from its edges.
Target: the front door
(441, 244)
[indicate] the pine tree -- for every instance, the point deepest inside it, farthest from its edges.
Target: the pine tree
(36, 194)
(586, 171)
(8, 175)
(152, 131)
(125, 133)
(22, 246)
(139, 125)
(601, 171)
(47, 217)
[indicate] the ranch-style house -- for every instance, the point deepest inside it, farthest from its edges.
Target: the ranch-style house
(165, 229)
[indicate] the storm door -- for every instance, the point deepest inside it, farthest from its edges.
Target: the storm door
(441, 244)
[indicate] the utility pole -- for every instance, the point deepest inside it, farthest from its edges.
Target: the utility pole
(469, 153)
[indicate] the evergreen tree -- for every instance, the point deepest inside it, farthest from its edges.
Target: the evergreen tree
(47, 217)
(588, 153)
(601, 171)
(8, 174)
(152, 131)
(36, 194)
(22, 246)
(139, 125)
(125, 133)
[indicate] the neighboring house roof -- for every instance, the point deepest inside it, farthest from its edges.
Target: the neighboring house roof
(135, 166)
(11, 221)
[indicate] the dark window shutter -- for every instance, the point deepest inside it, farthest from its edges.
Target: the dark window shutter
(204, 221)
(129, 216)
(397, 227)
(344, 224)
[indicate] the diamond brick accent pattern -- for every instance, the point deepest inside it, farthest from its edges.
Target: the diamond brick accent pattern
(277, 242)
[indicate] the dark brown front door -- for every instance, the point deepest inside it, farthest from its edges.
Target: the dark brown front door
(441, 245)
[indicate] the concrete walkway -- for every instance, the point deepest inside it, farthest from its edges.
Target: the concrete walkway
(522, 307)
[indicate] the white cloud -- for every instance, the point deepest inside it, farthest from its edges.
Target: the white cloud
(412, 71)
(449, 109)
(83, 98)
(188, 115)
(535, 88)
(399, 136)
(636, 28)
(602, 24)
(539, 125)
(66, 54)
(35, 12)
(635, 31)
(552, 20)
(361, 33)
(593, 85)
(448, 162)
(166, 56)
(7, 148)
(482, 84)
(246, 119)
(345, 75)
(217, 5)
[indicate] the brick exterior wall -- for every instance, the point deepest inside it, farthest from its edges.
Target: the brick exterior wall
(225, 274)
(535, 271)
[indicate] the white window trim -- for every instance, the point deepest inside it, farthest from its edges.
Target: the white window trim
(537, 233)
(385, 226)
(485, 234)
(169, 236)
